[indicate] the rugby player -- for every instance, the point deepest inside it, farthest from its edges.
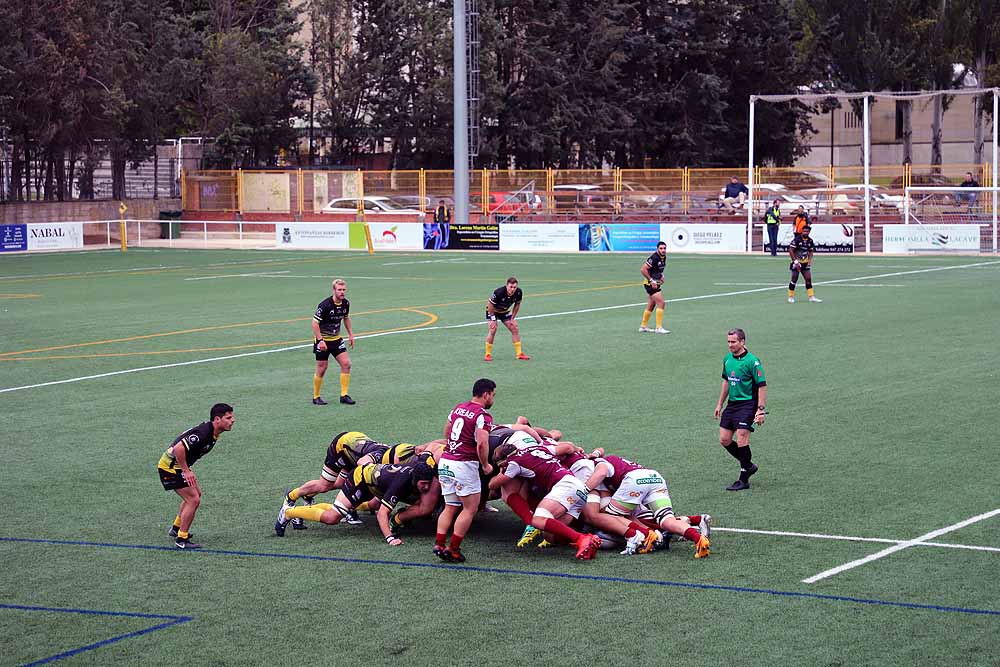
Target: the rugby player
(330, 313)
(503, 305)
(652, 273)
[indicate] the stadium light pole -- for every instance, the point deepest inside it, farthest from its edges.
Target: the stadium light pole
(868, 193)
(461, 119)
(995, 90)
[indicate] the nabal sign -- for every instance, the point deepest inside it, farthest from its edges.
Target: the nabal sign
(55, 235)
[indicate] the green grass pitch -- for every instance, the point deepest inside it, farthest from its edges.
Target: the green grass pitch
(881, 426)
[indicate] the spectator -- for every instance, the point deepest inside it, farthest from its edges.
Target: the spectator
(734, 194)
(967, 197)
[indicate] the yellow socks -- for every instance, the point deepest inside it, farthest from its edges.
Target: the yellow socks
(791, 293)
(317, 385)
(659, 318)
(517, 348)
(345, 383)
(645, 317)
(293, 495)
(810, 292)
(177, 522)
(307, 512)
(489, 348)
(182, 534)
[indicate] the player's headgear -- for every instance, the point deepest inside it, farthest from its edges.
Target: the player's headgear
(422, 472)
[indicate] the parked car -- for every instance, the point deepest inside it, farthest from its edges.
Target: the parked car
(430, 201)
(880, 198)
(634, 194)
(828, 201)
(579, 196)
(502, 203)
(371, 205)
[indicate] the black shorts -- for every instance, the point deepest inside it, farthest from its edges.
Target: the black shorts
(739, 416)
(803, 268)
(503, 317)
(172, 481)
(334, 347)
(331, 463)
(650, 290)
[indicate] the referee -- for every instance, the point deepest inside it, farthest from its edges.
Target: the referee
(743, 382)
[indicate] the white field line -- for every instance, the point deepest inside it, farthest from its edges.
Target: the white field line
(851, 538)
(470, 324)
(140, 269)
(899, 547)
(776, 286)
(266, 274)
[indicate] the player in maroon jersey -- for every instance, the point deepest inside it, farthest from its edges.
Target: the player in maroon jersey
(467, 450)
(635, 488)
(564, 495)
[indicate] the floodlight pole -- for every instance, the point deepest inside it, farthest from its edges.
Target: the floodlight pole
(995, 90)
(753, 99)
(868, 194)
(460, 113)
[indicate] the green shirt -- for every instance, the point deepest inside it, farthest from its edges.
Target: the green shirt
(745, 375)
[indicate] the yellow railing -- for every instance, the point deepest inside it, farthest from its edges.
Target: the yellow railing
(303, 191)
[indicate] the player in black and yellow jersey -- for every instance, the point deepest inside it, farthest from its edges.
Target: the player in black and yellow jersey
(390, 483)
(652, 273)
(330, 314)
(175, 471)
(503, 306)
(801, 251)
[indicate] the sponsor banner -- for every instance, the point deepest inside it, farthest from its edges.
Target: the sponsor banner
(332, 235)
(704, 237)
(833, 238)
(455, 236)
(55, 235)
(930, 238)
(515, 237)
(388, 236)
(13, 238)
(610, 238)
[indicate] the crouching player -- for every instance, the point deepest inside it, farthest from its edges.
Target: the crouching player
(635, 488)
(342, 457)
(391, 484)
(564, 495)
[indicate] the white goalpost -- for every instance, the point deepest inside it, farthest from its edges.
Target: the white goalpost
(866, 98)
(944, 219)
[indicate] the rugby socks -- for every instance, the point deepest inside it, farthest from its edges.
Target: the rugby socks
(183, 535)
(810, 291)
(645, 317)
(177, 523)
(456, 543)
(659, 318)
(520, 507)
(345, 383)
(489, 349)
(307, 512)
(734, 451)
(692, 534)
(439, 539)
(791, 290)
(694, 519)
(634, 528)
(317, 385)
(559, 529)
(517, 348)
(293, 495)
(745, 464)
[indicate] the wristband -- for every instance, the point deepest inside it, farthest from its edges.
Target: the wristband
(389, 538)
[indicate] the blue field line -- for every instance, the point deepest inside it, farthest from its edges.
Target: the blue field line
(527, 573)
(171, 620)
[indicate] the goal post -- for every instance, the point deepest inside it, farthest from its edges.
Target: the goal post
(864, 100)
(944, 219)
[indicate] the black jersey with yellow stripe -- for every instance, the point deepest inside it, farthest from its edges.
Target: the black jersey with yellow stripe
(392, 483)
(198, 441)
(330, 314)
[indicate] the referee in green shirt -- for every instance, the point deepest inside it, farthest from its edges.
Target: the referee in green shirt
(744, 384)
